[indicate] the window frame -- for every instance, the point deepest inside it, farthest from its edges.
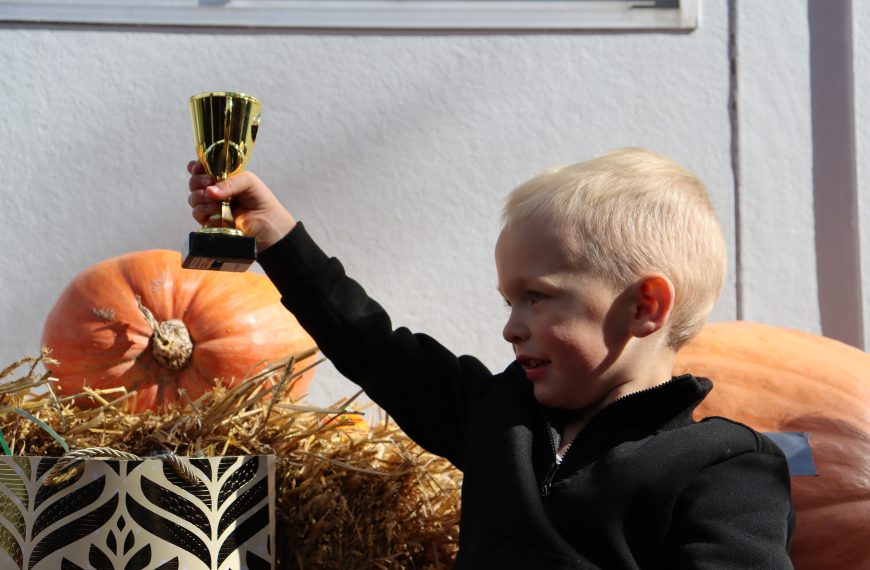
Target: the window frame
(359, 14)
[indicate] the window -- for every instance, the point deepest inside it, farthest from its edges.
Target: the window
(364, 14)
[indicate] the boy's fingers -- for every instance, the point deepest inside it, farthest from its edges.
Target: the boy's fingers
(230, 187)
(199, 181)
(202, 212)
(217, 191)
(199, 198)
(195, 167)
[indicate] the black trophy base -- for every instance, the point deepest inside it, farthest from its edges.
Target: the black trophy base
(218, 252)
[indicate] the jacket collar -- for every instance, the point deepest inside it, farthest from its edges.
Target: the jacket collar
(665, 406)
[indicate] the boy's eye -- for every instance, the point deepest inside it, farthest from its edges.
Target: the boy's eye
(531, 297)
(535, 296)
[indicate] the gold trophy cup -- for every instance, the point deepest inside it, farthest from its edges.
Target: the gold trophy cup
(224, 127)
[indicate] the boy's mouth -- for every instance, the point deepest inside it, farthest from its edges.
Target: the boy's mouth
(532, 363)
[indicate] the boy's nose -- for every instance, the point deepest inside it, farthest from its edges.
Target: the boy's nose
(514, 331)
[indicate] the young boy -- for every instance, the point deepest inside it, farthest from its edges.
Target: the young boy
(582, 453)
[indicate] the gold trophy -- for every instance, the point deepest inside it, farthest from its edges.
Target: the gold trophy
(224, 127)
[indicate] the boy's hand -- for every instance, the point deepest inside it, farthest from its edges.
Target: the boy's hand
(256, 211)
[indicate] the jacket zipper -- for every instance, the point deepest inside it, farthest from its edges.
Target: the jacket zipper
(551, 473)
(548, 479)
(557, 461)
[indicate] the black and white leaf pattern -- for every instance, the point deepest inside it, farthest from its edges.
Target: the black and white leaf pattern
(112, 542)
(12, 513)
(129, 542)
(116, 465)
(254, 562)
(204, 465)
(140, 560)
(168, 500)
(74, 530)
(49, 490)
(98, 559)
(14, 495)
(168, 530)
(76, 500)
(14, 477)
(225, 464)
(242, 533)
(238, 479)
(243, 503)
(44, 465)
(67, 565)
(198, 489)
(171, 565)
(11, 546)
(50, 526)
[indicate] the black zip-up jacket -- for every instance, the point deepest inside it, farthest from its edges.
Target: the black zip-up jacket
(642, 486)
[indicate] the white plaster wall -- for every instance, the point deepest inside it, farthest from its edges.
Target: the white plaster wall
(394, 149)
(775, 155)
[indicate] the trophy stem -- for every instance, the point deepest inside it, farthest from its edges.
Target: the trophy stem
(223, 222)
(227, 214)
(224, 219)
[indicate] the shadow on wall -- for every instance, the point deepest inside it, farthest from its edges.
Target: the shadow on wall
(835, 186)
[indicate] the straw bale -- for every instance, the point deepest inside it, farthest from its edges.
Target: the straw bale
(349, 494)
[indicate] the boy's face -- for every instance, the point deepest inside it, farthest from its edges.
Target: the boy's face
(567, 327)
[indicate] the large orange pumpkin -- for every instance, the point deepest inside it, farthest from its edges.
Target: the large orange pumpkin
(100, 332)
(782, 380)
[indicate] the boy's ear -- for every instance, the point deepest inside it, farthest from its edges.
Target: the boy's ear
(653, 301)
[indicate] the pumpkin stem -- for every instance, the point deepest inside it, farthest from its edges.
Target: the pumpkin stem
(170, 344)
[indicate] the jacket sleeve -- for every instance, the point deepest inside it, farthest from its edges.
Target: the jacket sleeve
(737, 513)
(427, 389)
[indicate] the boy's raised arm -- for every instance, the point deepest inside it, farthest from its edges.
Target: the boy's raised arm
(427, 389)
(423, 386)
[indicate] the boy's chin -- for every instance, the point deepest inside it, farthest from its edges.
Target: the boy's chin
(547, 397)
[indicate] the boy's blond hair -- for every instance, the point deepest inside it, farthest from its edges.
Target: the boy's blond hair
(628, 213)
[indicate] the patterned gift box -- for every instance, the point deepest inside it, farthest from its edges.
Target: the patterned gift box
(146, 514)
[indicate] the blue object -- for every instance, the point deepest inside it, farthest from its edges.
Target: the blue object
(796, 446)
